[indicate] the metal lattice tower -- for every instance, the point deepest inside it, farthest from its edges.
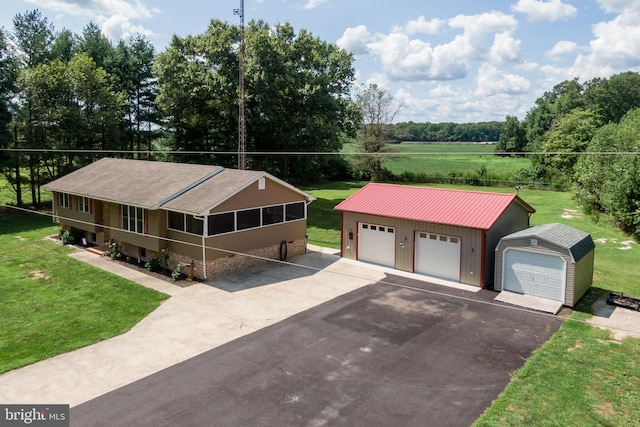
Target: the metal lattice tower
(242, 128)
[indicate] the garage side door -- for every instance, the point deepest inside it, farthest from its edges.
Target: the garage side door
(532, 273)
(437, 255)
(377, 244)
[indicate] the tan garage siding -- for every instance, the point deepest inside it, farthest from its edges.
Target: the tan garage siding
(251, 197)
(470, 243)
(514, 218)
(542, 247)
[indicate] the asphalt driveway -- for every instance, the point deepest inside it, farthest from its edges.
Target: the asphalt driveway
(387, 354)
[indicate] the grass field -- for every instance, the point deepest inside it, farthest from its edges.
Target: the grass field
(444, 159)
(581, 376)
(51, 303)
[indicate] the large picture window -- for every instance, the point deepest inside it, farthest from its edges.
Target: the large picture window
(272, 215)
(222, 223)
(133, 219)
(295, 211)
(184, 222)
(194, 225)
(230, 222)
(176, 221)
(249, 218)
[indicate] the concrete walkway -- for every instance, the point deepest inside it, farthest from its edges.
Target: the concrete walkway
(193, 320)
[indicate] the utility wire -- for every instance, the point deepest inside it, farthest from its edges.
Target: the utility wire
(354, 276)
(327, 153)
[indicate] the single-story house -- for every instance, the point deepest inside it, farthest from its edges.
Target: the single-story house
(552, 261)
(450, 234)
(198, 214)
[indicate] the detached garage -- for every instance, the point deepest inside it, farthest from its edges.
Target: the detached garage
(552, 261)
(442, 233)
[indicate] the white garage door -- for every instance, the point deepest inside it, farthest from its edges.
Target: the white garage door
(437, 255)
(533, 273)
(377, 244)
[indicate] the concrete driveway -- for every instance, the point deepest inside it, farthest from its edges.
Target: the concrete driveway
(195, 319)
(401, 352)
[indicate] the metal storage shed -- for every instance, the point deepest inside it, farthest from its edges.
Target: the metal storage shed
(552, 261)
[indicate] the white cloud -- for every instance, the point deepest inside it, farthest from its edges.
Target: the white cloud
(311, 4)
(442, 91)
(527, 66)
(618, 6)
(492, 81)
(538, 10)
(421, 25)
(616, 43)
(562, 49)
(407, 58)
(355, 40)
(114, 16)
(505, 48)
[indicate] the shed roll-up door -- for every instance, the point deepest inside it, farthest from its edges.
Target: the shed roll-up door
(377, 244)
(534, 273)
(437, 255)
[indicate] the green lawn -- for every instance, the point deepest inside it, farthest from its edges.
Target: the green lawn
(51, 303)
(581, 376)
(443, 159)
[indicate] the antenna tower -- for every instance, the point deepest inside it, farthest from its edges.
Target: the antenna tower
(242, 128)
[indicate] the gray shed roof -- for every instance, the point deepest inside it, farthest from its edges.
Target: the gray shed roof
(577, 242)
(154, 185)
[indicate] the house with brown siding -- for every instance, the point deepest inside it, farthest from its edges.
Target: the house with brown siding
(208, 216)
(443, 233)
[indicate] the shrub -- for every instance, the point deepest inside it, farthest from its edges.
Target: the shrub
(71, 236)
(158, 263)
(178, 274)
(114, 250)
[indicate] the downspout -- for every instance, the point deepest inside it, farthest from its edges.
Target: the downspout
(341, 233)
(483, 259)
(205, 232)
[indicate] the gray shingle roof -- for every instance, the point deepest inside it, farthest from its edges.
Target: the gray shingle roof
(577, 242)
(175, 186)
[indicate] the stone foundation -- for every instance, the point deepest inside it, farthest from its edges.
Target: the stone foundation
(235, 263)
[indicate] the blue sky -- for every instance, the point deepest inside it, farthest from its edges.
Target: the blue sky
(456, 60)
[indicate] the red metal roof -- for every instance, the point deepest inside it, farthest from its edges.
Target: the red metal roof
(471, 209)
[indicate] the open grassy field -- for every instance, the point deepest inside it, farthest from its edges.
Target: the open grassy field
(51, 303)
(443, 159)
(581, 376)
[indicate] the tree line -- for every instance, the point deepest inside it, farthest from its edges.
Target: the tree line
(586, 136)
(84, 96)
(446, 132)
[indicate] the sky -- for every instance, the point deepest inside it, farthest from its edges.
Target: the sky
(442, 61)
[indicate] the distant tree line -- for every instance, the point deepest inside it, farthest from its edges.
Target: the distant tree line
(446, 132)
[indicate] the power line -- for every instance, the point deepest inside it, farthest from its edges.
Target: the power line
(350, 275)
(326, 153)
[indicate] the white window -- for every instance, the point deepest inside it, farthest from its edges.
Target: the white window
(64, 200)
(133, 219)
(83, 204)
(186, 223)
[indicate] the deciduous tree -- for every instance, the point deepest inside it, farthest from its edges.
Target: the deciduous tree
(378, 110)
